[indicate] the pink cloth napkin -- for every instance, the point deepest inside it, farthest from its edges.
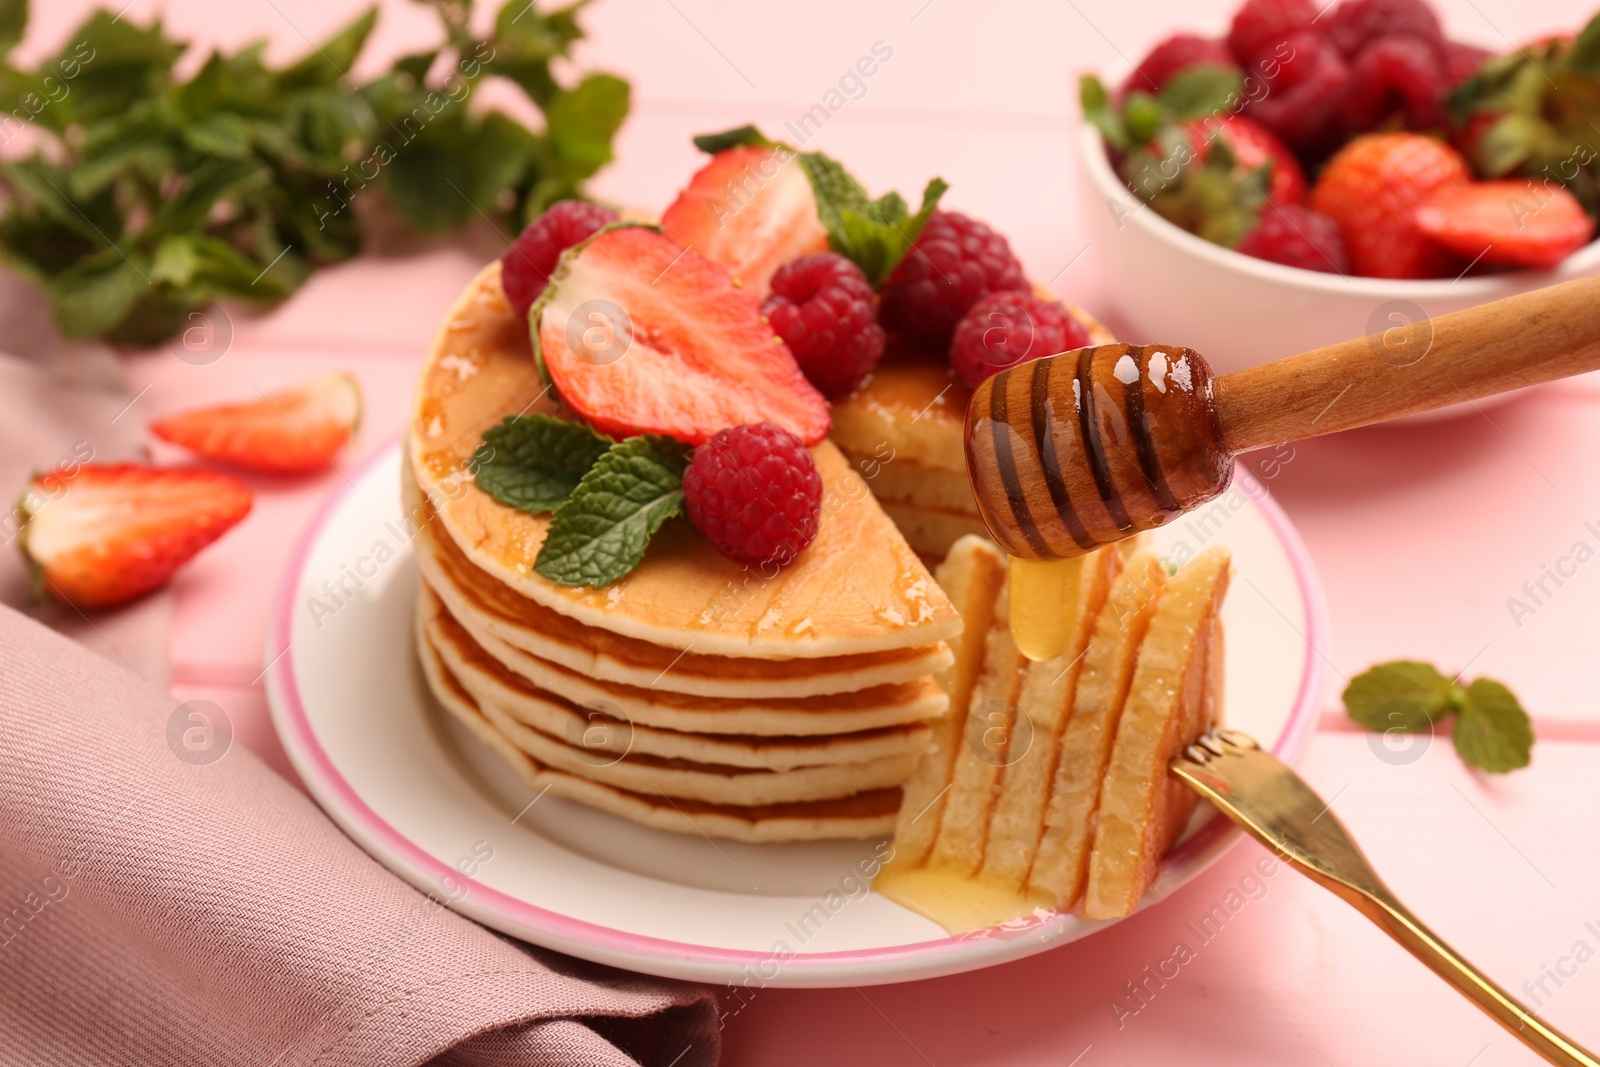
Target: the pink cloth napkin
(158, 912)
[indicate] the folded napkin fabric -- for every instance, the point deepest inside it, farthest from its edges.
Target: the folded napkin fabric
(158, 912)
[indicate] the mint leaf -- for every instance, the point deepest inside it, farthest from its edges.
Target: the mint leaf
(580, 124)
(331, 60)
(1404, 694)
(534, 462)
(1493, 733)
(1202, 90)
(13, 21)
(602, 530)
(875, 235)
(739, 137)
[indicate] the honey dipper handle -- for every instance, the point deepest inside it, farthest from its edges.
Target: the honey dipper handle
(1413, 366)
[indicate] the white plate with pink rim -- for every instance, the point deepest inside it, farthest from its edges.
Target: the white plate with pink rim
(431, 803)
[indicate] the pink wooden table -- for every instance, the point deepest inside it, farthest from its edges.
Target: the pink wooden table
(1421, 535)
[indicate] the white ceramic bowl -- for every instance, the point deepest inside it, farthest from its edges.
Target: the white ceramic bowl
(1238, 311)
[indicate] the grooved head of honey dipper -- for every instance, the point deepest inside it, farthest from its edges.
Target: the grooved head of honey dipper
(1074, 451)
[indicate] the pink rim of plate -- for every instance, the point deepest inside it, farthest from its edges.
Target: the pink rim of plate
(654, 955)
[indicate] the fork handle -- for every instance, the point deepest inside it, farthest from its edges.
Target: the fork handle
(1396, 920)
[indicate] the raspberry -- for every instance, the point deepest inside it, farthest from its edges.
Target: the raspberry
(1004, 329)
(1301, 106)
(526, 266)
(1395, 74)
(1355, 24)
(1172, 57)
(754, 490)
(955, 262)
(1462, 61)
(823, 307)
(1260, 27)
(1296, 236)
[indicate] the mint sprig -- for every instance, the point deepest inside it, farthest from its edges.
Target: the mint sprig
(738, 137)
(1492, 731)
(535, 462)
(600, 532)
(875, 235)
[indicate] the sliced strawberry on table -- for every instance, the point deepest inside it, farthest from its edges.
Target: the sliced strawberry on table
(752, 210)
(1511, 223)
(111, 532)
(299, 429)
(641, 335)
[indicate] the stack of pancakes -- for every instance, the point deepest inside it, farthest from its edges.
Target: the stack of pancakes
(694, 694)
(903, 431)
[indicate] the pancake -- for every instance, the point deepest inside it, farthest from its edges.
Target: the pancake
(834, 713)
(863, 815)
(603, 728)
(688, 779)
(932, 531)
(527, 626)
(913, 407)
(906, 481)
(833, 600)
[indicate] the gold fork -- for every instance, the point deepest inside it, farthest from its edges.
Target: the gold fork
(1265, 796)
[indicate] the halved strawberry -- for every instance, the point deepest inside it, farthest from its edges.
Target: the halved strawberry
(1512, 223)
(108, 533)
(641, 335)
(752, 210)
(299, 429)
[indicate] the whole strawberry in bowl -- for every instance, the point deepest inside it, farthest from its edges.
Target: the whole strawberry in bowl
(1316, 173)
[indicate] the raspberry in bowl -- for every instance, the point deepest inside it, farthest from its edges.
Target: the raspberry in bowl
(1334, 176)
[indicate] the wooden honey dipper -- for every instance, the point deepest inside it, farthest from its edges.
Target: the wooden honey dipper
(1082, 449)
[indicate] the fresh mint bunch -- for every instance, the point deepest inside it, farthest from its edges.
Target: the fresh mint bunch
(156, 193)
(1492, 731)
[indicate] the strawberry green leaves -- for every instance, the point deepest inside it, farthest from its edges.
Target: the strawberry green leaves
(1492, 731)
(1194, 93)
(1530, 113)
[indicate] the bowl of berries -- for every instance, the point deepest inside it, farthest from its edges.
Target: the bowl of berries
(1313, 176)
